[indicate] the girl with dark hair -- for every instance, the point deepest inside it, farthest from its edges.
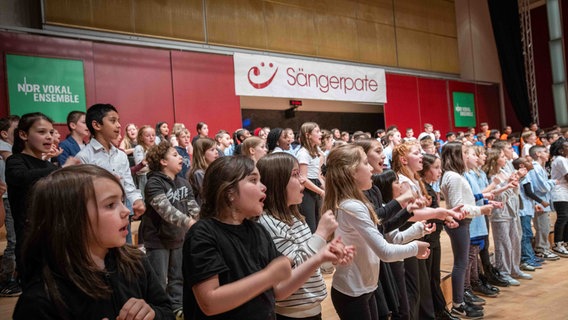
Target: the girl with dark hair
(559, 172)
(202, 132)
(431, 173)
(281, 174)
(231, 267)
(32, 140)
(457, 191)
(162, 132)
(76, 263)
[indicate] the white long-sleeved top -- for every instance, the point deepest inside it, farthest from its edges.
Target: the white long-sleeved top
(457, 191)
(357, 228)
(415, 231)
(299, 244)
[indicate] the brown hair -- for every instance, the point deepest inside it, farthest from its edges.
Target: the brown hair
(56, 245)
(340, 183)
(157, 153)
(305, 131)
(221, 178)
(275, 173)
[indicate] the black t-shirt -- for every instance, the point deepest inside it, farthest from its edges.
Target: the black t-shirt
(232, 252)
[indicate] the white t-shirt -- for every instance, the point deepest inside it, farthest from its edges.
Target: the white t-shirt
(313, 163)
(558, 171)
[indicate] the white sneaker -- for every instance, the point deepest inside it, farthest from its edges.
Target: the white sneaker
(560, 250)
(524, 276)
(511, 281)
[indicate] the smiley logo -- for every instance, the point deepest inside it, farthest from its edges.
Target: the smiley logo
(255, 71)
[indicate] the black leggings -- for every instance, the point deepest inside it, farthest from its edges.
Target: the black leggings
(561, 225)
(281, 317)
(311, 206)
(363, 307)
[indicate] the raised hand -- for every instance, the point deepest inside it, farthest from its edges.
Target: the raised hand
(326, 225)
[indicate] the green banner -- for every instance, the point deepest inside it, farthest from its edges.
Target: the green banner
(464, 109)
(51, 86)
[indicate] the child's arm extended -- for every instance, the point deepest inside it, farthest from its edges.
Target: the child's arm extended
(209, 293)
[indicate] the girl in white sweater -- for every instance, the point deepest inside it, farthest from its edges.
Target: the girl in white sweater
(353, 286)
(456, 191)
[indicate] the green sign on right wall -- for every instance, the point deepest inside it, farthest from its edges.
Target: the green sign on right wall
(464, 109)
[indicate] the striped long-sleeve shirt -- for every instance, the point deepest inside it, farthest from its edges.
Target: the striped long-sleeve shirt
(297, 243)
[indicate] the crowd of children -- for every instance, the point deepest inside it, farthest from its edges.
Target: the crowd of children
(244, 228)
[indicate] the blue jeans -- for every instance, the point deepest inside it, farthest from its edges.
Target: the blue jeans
(167, 265)
(527, 252)
(9, 259)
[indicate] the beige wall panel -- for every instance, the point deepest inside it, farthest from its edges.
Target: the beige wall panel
(73, 12)
(310, 5)
(376, 10)
(413, 49)
(237, 23)
(113, 15)
(336, 37)
(171, 18)
(444, 54)
(442, 18)
(290, 29)
(411, 14)
(376, 43)
(188, 20)
(342, 8)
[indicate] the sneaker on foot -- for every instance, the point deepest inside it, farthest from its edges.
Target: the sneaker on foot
(524, 276)
(547, 255)
(470, 298)
(10, 289)
(481, 289)
(535, 264)
(560, 250)
(527, 267)
(511, 281)
(467, 312)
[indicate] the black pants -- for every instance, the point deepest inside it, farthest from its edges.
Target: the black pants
(363, 307)
(311, 206)
(418, 289)
(433, 268)
(398, 272)
(561, 225)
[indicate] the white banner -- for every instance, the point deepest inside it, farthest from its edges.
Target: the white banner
(266, 76)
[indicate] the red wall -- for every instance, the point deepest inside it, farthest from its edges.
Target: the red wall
(413, 101)
(146, 85)
(151, 85)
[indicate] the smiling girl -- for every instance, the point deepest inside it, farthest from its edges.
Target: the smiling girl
(32, 139)
(96, 277)
(231, 267)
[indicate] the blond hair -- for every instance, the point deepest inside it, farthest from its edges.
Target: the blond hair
(340, 185)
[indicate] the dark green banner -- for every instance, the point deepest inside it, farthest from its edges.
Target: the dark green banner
(51, 86)
(464, 109)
